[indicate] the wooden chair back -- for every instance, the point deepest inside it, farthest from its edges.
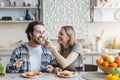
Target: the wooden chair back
(90, 67)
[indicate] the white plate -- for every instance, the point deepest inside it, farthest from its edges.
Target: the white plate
(93, 76)
(24, 75)
(97, 14)
(74, 74)
(117, 14)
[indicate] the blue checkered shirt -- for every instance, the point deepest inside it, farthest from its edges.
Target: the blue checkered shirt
(22, 52)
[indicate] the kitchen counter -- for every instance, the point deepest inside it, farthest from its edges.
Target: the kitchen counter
(5, 52)
(107, 51)
(99, 53)
(9, 52)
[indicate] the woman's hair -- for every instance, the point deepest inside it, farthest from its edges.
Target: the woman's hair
(30, 28)
(71, 33)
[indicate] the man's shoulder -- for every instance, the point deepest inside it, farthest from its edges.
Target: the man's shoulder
(21, 46)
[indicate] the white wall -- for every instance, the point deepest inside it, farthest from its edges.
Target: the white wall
(11, 33)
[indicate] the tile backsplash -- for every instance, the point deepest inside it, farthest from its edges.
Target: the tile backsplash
(57, 13)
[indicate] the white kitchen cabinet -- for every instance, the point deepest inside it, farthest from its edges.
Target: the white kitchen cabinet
(87, 59)
(94, 58)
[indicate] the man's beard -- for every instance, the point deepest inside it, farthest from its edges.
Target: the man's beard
(35, 41)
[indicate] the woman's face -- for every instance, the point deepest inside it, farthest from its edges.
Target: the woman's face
(38, 34)
(63, 38)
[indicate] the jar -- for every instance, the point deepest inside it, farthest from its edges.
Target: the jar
(98, 45)
(2, 4)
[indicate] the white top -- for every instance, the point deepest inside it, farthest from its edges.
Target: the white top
(35, 57)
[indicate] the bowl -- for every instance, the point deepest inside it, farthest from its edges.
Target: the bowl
(106, 70)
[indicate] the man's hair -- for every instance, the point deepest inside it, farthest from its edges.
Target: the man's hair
(30, 27)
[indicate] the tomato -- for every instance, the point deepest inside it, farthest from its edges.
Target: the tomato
(117, 59)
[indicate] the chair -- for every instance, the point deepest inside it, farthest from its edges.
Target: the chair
(90, 67)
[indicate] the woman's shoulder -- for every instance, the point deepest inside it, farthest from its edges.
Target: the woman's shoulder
(77, 48)
(77, 45)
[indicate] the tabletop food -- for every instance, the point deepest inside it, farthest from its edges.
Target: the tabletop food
(66, 73)
(32, 74)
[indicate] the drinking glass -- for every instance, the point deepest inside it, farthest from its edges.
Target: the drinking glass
(12, 69)
(79, 67)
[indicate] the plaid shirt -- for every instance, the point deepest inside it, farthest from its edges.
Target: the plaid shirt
(22, 52)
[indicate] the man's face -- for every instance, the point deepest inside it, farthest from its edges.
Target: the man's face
(38, 34)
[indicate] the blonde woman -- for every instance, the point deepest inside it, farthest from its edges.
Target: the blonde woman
(70, 52)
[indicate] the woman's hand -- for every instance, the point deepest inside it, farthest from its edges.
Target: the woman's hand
(19, 62)
(49, 68)
(48, 43)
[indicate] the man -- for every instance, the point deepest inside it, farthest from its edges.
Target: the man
(32, 55)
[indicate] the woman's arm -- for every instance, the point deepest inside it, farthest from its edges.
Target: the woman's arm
(64, 62)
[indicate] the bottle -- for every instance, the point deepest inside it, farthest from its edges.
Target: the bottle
(1, 68)
(36, 14)
(27, 15)
(14, 4)
(114, 43)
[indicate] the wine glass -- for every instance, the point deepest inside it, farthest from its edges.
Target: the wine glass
(79, 67)
(12, 68)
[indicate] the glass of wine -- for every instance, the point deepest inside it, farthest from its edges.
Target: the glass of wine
(79, 67)
(12, 69)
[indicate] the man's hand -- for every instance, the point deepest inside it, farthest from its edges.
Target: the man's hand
(49, 68)
(19, 62)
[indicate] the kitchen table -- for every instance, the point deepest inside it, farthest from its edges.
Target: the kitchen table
(53, 76)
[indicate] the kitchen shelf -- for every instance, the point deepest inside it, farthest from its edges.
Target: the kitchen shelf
(104, 13)
(18, 7)
(16, 21)
(18, 12)
(106, 7)
(106, 21)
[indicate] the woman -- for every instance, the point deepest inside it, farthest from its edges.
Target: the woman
(69, 52)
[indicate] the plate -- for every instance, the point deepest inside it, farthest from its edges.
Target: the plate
(117, 14)
(93, 76)
(31, 74)
(97, 14)
(66, 74)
